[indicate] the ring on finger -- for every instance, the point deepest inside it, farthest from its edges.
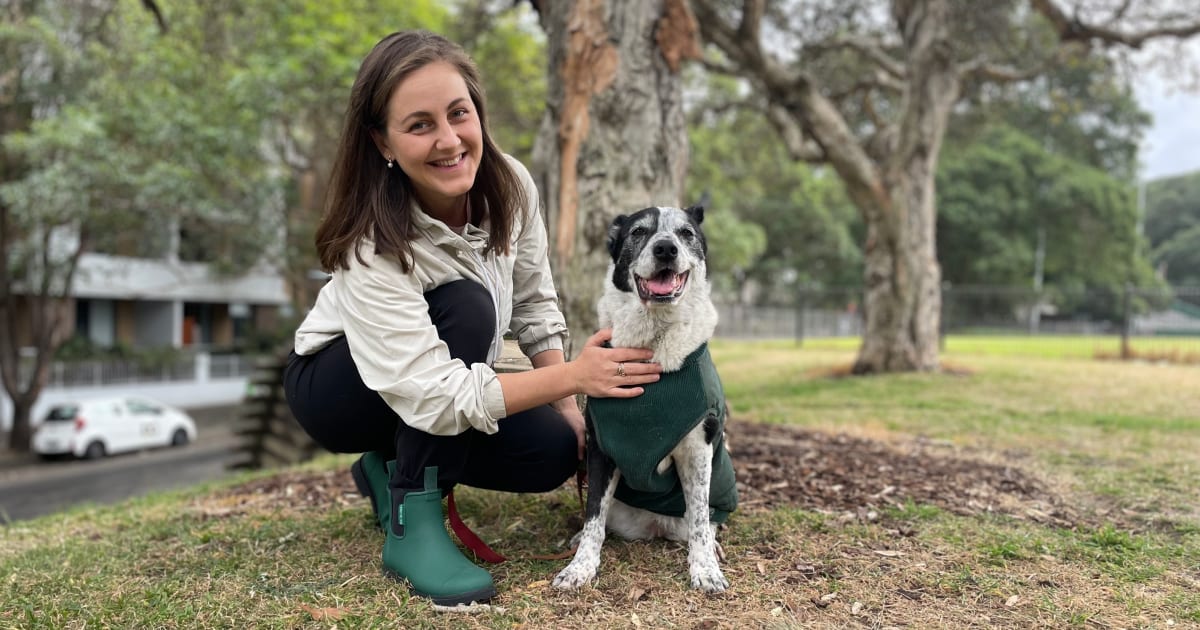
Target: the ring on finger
(621, 369)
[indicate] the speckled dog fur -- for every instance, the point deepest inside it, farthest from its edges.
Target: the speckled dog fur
(642, 246)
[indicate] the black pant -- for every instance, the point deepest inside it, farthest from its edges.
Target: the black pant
(534, 450)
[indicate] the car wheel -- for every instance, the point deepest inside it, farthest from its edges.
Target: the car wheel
(95, 450)
(179, 438)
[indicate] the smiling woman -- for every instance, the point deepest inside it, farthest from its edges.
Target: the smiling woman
(433, 133)
(436, 248)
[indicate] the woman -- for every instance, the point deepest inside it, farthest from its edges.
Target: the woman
(436, 249)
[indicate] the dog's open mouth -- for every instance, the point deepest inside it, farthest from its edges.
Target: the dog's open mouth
(663, 286)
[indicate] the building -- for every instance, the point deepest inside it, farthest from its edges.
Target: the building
(143, 303)
(158, 289)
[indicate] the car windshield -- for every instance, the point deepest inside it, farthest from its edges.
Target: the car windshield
(63, 412)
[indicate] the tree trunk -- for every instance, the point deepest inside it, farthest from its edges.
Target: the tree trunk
(903, 298)
(48, 335)
(20, 439)
(614, 138)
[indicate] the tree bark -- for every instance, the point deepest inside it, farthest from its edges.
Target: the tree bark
(902, 278)
(613, 139)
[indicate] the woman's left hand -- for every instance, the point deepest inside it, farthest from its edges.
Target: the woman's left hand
(570, 411)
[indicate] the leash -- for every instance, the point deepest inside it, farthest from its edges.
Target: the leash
(486, 553)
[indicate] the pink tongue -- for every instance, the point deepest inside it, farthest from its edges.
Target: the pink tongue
(662, 285)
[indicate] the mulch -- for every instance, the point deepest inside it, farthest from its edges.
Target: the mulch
(854, 478)
(857, 478)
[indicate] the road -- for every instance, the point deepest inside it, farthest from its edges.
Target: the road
(40, 488)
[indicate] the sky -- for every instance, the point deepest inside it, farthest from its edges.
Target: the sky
(1162, 74)
(1172, 145)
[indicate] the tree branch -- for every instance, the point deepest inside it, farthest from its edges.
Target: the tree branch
(1074, 29)
(746, 53)
(982, 69)
(752, 15)
(797, 95)
(799, 146)
(152, 7)
(869, 48)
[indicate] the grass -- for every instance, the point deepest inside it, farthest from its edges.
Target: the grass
(1118, 440)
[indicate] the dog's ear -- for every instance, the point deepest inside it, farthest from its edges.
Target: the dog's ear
(696, 212)
(614, 234)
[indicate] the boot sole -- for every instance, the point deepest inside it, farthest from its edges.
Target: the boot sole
(364, 487)
(480, 596)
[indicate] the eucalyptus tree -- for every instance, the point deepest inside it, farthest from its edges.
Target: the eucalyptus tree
(614, 136)
(868, 87)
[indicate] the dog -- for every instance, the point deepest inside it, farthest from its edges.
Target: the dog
(656, 463)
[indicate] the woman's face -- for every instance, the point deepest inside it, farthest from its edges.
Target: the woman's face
(433, 133)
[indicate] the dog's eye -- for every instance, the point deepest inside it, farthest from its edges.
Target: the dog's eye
(639, 231)
(687, 235)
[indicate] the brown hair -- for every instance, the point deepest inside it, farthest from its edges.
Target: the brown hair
(365, 198)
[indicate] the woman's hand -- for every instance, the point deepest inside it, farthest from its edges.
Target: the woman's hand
(613, 372)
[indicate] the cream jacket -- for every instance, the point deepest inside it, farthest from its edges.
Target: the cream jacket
(383, 314)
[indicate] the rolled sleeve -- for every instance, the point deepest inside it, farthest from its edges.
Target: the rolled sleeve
(537, 323)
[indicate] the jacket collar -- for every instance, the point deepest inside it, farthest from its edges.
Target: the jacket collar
(474, 237)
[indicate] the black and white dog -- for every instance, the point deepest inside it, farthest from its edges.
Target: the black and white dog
(657, 465)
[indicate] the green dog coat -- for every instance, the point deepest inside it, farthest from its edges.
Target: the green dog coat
(637, 433)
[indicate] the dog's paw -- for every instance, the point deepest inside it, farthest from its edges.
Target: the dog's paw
(572, 577)
(709, 579)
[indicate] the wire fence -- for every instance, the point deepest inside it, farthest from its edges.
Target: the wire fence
(1161, 324)
(1153, 323)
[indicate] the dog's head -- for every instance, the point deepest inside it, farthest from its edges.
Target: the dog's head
(657, 251)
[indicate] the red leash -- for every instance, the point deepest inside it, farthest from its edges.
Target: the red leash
(486, 553)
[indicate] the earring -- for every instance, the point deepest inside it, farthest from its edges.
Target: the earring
(390, 162)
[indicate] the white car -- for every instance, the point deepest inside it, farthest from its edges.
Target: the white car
(97, 427)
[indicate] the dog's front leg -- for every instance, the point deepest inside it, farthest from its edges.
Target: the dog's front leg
(693, 460)
(602, 484)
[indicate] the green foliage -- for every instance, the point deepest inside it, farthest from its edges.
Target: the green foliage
(1083, 109)
(510, 50)
(811, 230)
(735, 244)
(141, 135)
(998, 192)
(1173, 227)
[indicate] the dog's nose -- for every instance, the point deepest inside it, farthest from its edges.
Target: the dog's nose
(665, 251)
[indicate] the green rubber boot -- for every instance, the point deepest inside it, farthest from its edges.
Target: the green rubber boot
(419, 549)
(371, 475)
